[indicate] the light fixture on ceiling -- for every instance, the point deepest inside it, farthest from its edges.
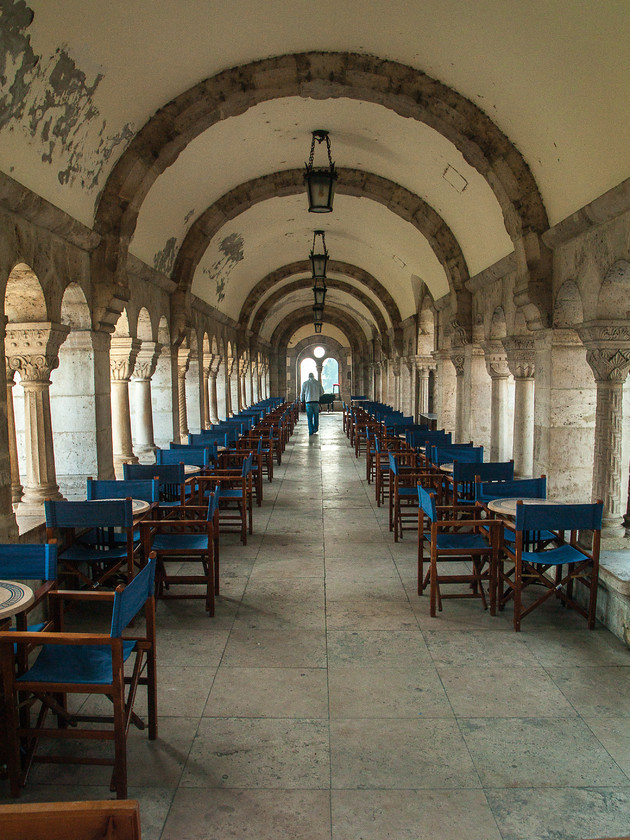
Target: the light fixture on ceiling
(318, 326)
(318, 314)
(320, 180)
(319, 260)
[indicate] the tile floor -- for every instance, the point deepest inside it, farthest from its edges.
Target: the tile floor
(323, 702)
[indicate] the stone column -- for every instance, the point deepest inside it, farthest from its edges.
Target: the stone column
(445, 389)
(123, 353)
(14, 463)
(8, 524)
(183, 361)
(229, 367)
(424, 364)
(244, 396)
(146, 363)
(206, 370)
(163, 396)
(462, 416)
(520, 359)
(395, 367)
(212, 389)
(497, 367)
(33, 350)
(478, 390)
(608, 354)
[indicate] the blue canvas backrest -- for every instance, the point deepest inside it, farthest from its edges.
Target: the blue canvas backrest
(145, 490)
(203, 439)
(492, 471)
(559, 517)
(213, 503)
(99, 514)
(165, 473)
(194, 455)
(450, 454)
(129, 601)
(19, 561)
(426, 501)
(247, 465)
(520, 488)
(427, 439)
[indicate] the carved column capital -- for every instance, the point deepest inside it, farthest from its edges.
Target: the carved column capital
(122, 357)
(521, 356)
(459, 359)
(146, 360)
(229, 365)
(33, 349)
(183, 361)
(243, 366)
(496, 360)
(607, 349)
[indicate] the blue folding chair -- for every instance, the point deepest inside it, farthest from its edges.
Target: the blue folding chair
(451, 540)
(171, 477)
(196, 456)
(95, 539)
(544, 566)
(465, 475)
(83, 664)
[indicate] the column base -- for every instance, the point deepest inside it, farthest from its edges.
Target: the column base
(146, 454)
(119, 460)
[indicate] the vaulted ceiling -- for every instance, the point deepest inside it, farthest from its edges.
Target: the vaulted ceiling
(182, 129)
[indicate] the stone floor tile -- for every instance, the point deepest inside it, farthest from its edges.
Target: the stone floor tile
(412, 815)
(259, 753)
(400, 754)
(614, 734)
(595, 691)
(570, 813)
(575, 647)
(538, 752)
(370, 612)
(269, 692)
(371, 648)
(249, 815)
(178, 644)
(477, 649)
(288, 647)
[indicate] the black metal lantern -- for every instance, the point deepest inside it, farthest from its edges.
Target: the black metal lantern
(320, 181)
(319, 292)
(318, 326)
(318, 313)
(319, 260)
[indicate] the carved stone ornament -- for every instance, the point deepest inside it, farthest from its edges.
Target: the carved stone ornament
(496, 360)
(122, 357)
(183, 361)
(146, 360)
(458, 360)
(521, 356)
(33, 349)
(607, 349)
(460, 333)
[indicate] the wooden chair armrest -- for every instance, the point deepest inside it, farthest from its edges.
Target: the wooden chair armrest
(81, 595)
(57, 638)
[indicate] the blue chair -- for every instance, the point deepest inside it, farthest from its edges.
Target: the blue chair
(544, 566)
(405, 473)
(197, 456)
(83, 664)
(91, 548)
(171, 477)
(463, 452)
(146, 490)
(465, 475)
(451, 540)
(190, 533)
(518, 488)
(235, 503)
(25, 562)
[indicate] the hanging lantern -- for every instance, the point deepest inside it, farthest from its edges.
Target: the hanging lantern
(318, 326)
(318, 313)
(319, 292)
(319, 259)
(320, 181)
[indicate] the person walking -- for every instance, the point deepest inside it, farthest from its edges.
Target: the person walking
(311, 392)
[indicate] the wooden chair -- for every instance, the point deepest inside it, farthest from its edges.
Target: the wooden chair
(97, 820)
(95, 539)
(455, 540)
(174, 490)
(404, 476)
(190, 533)
(82, 663)
(544, 565)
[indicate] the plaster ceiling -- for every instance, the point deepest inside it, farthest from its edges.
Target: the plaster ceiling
(328, 330)
(80, 80)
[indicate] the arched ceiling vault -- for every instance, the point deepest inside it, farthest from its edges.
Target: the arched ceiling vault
(334, 267)
(352, 182)
(291, 323)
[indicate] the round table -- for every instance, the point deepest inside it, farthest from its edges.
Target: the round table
(138, 506)
(447, 468)
(14, 597)
(191, 469)
(507, 507)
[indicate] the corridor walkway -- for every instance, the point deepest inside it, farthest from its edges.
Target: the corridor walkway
(323, 702)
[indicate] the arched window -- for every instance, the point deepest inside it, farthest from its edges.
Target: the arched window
(330, 375)
(307, 366)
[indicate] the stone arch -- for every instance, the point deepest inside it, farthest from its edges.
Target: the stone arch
(122, 325)
(75, 312)
(300, 317)
(144, 330)
(24, 299)
(568, 309)
(613, 302)
(214, 347)
(405, 204)
(306, 283)
(334, 266)
(498, 325)
(401, 88)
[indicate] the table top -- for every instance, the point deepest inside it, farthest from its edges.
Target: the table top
(507, 507)
(14, 597)
(447, 468)
(138, 506)
(191, 469)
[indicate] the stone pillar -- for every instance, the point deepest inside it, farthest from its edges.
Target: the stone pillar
(8, 524)
(462, 413)
(206, 370)
(520, 359)
(163, 393)
(123, 353)
(212, 389)
(146, 363)
(445, 389)
(497, 367)
(608, 354)
(395, 368)
(33, 350)
(229, 367)
(564, 415)
(478, 400)
(244, 396)
(183, 361)
(16, 484)
(424, 364)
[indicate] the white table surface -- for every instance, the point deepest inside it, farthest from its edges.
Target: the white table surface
(447, 468)
(138, 506)
(14, 597)
(507, 507)
(191, 469)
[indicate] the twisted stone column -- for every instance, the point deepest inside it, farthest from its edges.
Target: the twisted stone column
(146, 363)
(183, 361)
(521, 362)
(212, 389)
(608, 355)
(206, 368)
(462, 427)
(33, 350)
(243, 397)
(123, 353)
(497, 367)
(16, 485)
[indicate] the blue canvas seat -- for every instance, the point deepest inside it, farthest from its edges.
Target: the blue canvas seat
(82, 663)
(190, 534)
(95, 539)
(451, 540)
(555, 567)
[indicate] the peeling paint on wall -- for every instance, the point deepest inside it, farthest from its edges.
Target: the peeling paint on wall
(164, 260)
(52, 102)
(232, 250)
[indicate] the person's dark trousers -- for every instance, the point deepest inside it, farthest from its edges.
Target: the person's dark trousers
(312, 415)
